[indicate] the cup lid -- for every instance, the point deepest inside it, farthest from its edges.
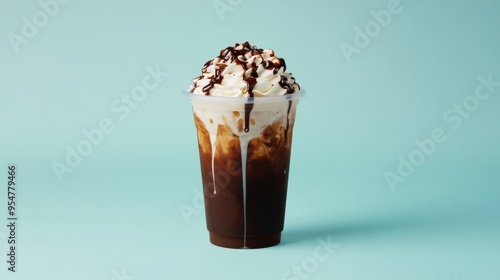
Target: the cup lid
(190, 97)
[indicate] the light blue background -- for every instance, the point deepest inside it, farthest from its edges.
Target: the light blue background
(117, 214)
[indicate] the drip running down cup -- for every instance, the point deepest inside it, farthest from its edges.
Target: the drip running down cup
(244, 142)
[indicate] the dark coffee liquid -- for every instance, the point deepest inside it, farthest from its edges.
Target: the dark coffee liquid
(247, 206)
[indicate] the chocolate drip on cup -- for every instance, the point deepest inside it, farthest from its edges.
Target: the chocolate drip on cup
(251, 82)
(287, 122)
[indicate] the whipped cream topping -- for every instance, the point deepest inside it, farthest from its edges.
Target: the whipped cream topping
(245, 71)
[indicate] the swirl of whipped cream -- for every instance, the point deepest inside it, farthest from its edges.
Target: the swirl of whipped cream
(245, 71)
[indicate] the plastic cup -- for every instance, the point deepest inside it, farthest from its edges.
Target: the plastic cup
(244, 147)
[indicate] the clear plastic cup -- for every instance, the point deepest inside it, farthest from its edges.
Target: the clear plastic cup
(244, 146)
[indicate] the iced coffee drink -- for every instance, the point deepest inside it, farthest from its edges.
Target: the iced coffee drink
(244, 106)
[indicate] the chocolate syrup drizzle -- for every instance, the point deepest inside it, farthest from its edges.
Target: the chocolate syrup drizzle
(287, 121)
(236, 55)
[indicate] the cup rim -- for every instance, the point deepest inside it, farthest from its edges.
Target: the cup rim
(190, 97)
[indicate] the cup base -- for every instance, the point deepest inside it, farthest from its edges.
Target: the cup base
(239, 242)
